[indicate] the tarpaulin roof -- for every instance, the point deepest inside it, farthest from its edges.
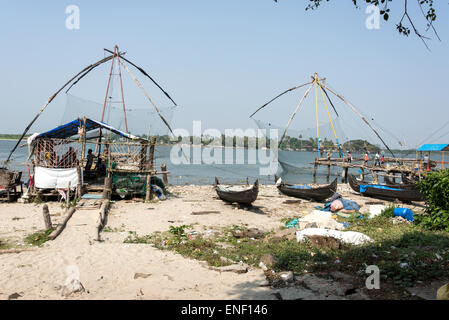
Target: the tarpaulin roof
(71, 129)
(434, 147)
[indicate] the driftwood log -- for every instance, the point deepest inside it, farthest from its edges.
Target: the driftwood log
(61, 226)
(47, 218)
(16, 250)
(102, 219)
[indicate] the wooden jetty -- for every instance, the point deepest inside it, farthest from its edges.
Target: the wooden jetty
(390, 168)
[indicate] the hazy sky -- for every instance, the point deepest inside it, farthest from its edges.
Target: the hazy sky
(221, 60)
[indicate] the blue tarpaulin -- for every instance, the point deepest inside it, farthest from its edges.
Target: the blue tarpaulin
(70, 129)
(300, 187)
(434, 147)
(405, 213)
(364, 187)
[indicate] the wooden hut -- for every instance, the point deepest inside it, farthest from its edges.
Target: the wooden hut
(64, 161)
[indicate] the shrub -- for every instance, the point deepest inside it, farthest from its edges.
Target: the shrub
(435, 190)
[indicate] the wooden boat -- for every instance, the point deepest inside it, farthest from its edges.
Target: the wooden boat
(391, 184)
(387, 194)
(316, 194)
(240, 195)
(407, 180)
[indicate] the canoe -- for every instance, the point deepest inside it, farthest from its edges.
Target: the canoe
(383, 192)
(299, 191)
(239, 194)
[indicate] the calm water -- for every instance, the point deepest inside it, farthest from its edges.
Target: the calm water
(204, 173)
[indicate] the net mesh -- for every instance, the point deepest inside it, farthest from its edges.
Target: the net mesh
(140, 121)
(329, 121)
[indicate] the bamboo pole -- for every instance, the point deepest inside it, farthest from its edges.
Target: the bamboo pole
(294, 113)
(88, 68)
(146, 74)
(360, 115)
(147, 96)
(278, 96)
(148, 195)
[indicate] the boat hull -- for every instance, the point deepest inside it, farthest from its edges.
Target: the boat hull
(245, 197)
(315, 194)
(401, 194)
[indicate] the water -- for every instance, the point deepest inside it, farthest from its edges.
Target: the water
(200, 174)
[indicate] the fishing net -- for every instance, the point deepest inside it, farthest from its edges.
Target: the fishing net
(336, 124)
(140, 121)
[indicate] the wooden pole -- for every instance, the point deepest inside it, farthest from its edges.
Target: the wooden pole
(294, 113)
(151, 156)
(61, 227)
(345, 175)
(80, 179)
(88, 68)
(47, 218)
(68, 194)
(148, 195)
(315, 167)
(165, 178)
(107, 189)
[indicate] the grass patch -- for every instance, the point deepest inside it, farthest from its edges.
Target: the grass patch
(120, 229)
(16, 219)
(4, 245)
(403, 252)
(38, 238)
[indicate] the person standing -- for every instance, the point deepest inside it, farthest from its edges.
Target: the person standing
(382, 160)
(377, 159)
(365, 158)
(349, 157)
(90, 159)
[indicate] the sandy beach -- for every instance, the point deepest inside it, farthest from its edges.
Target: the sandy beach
(113, 269)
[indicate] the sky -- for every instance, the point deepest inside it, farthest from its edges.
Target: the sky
(221, 60)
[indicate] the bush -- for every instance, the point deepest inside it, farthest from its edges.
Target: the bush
(435, 190)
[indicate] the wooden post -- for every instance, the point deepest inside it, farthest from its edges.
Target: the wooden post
(107, 189)
(345, 175)
(143, 155)
(83, 139)
(68, 194)
(79, 185)
(151, 157)
(315, 167)
(61, 227)
(165, 178)
(47, 218)
(328, 171)
(148, 194)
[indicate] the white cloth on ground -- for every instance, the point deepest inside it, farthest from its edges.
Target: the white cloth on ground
(350, 237)
(322, 219)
